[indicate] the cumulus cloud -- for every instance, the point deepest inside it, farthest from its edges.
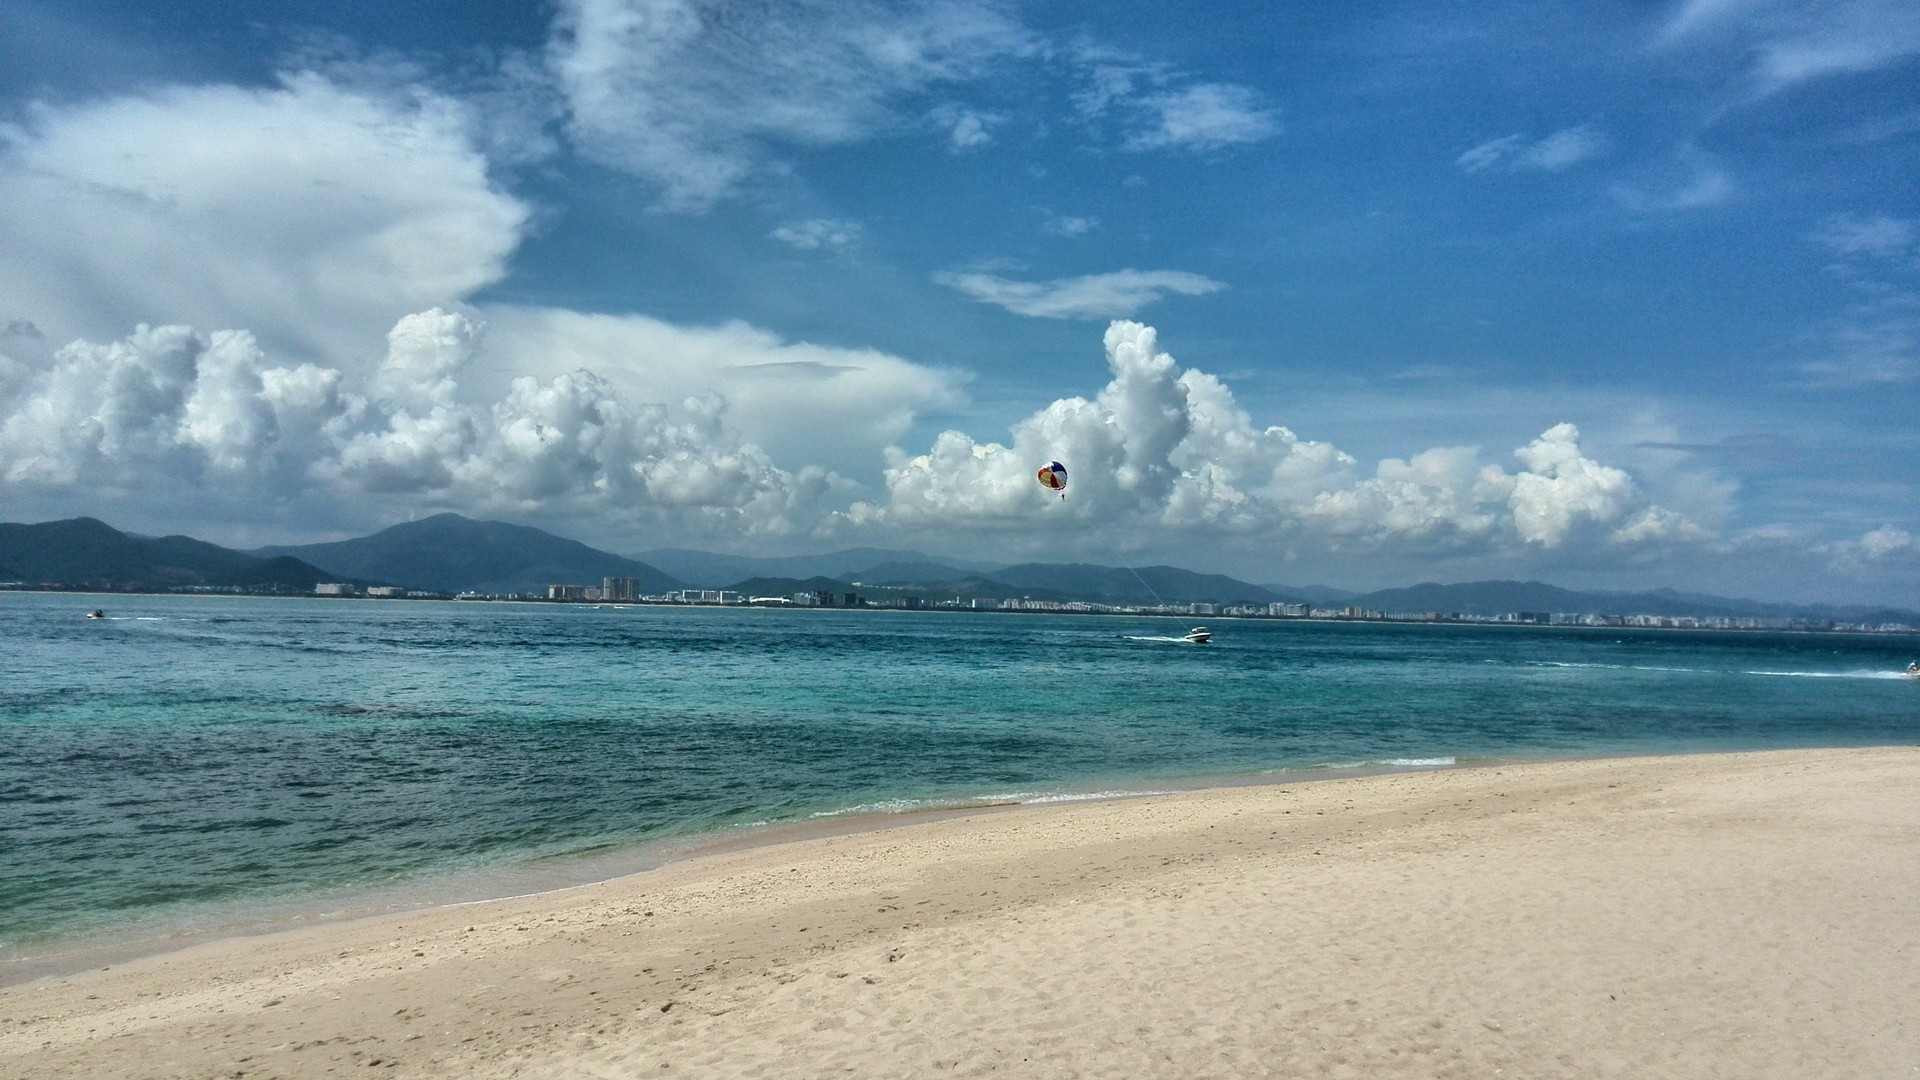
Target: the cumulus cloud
(1557, 152)
(798, 401)
(211, 418)
(1885, 554)
(304, 212)
(1094, 296)
(694, 97)
(1162, 451)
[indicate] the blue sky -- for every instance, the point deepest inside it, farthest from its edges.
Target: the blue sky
(1614, 295)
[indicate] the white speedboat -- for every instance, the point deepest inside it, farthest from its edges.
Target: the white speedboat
(96, 613)
(1199, 635)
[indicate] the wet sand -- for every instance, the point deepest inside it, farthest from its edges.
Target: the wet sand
(1725, 915)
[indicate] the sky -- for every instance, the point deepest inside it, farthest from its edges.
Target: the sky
(1615, 295)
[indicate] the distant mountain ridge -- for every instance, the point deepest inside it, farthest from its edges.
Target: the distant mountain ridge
(1505, 597)
(453, 554)
(449, 553)
(89, 553)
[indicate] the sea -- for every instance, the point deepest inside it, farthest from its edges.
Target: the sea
(211, 765)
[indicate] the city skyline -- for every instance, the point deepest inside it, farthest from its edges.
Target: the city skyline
(1619, 297)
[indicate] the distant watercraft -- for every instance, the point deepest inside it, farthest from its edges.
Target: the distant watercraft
(96, 613)
(1199, 635)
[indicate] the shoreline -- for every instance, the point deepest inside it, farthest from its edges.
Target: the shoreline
(72, 953)
(1747, 914)
(1844, 628)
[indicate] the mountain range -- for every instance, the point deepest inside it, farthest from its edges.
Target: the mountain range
(87, 553)
(448, 553)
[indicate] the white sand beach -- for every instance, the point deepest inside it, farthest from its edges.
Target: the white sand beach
(1753, 915)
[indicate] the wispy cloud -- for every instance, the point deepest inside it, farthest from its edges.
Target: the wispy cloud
(1070, 226)
(1692, 183)
(1163, 109)
(696, 98)
(1876, 342)
(1796, 41)
(1205, 117)
(1094, 296)
(1557, 152)
(818, 233)
(1879, 236)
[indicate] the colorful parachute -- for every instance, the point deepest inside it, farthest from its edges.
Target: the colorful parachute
(1054, 478)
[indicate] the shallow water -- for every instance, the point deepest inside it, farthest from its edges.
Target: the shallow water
(200, 755)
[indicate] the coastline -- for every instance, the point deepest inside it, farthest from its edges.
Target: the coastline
(75, 952)
(1747, 914)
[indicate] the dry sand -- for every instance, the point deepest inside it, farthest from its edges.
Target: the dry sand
(1719, 916)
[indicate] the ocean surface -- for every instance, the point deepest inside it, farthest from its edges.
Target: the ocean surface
(198, 762)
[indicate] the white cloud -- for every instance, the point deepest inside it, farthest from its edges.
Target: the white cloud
(171, 413)
(1874, 347)
(1557, 152)
(306, 213)
(1566, 148)
(1094, 296)
(1160, 453)
(1070, 226)
(1490, 153)
(1208, 116)
(1690, 184)
(1695, 17)
(1561, 490)
(1876, 340)
(1887, 540)
(1796, 41)
(1882, 555)
(695, 97)
(800, 402)
(1434, 500)
(1880, 236)
(818, 233)
(967, 129)
(1161, 109)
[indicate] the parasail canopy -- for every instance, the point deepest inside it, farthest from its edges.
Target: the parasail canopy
(1053, 476)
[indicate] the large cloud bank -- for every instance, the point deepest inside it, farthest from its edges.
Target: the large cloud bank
(206, 419)
(1165, 452)
(1159, 455)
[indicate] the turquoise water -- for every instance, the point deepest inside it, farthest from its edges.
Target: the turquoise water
(191, 754)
